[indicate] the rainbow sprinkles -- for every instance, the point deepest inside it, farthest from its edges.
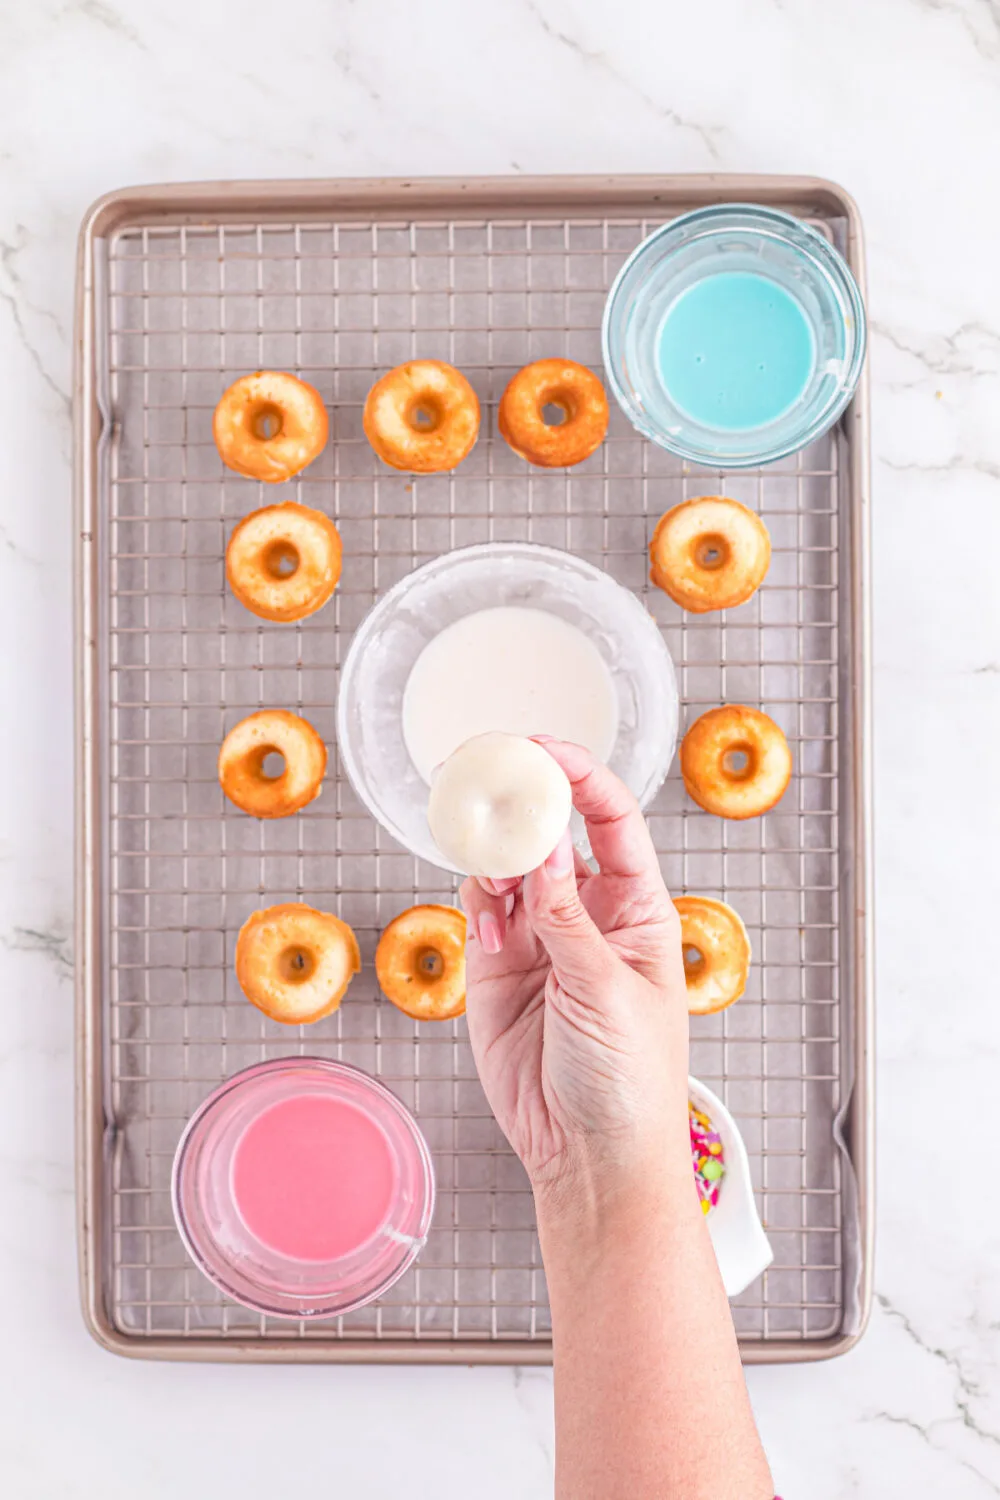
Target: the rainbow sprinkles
(706, 1158)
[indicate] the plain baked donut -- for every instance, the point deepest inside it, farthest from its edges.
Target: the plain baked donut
(572, 389)
(269, 426)
(710, 553)
(420, 962)
(273, 731)
(422, 417)
(295, 963)
(498, 806)
(735, 762)
(283, 561)
(716, 953)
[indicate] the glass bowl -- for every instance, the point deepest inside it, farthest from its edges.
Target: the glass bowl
(224, 1247)
(394, 633)
(742, 239)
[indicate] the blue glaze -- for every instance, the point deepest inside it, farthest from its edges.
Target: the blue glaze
(736, 351)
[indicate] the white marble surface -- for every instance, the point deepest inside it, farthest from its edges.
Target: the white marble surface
(900, 101)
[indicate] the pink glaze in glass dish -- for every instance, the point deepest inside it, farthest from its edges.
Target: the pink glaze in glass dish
(313, 1178)
(303, 1188)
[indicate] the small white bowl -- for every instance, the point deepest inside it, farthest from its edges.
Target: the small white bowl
(741, 1246)
(394, 633)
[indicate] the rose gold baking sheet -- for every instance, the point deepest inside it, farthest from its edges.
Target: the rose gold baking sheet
(180, 290)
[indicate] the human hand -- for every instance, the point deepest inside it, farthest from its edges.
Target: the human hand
(576, 1001)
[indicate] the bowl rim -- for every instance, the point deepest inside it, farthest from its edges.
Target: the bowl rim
(295, 1065)
(349, 667)
(825, 249)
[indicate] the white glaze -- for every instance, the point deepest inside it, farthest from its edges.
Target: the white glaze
(498, 806)
(514, 670)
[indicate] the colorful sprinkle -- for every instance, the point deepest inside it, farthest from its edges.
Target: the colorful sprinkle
(707, 1158)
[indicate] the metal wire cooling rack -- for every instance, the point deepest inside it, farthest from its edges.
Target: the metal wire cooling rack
(181, 291)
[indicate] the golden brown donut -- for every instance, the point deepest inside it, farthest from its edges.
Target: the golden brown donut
(422, 417)
(577, 393)
(295, 963)
(420, 962)
(710, 553)
(246, 747)
(716, 953)
(269, 426)
(735, 762)
(283, 561)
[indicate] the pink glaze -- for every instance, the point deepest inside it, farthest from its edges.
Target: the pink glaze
(313, 1178)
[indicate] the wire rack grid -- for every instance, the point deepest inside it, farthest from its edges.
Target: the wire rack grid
(188, 308)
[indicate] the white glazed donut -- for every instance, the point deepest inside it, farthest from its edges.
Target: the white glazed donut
(499, 806)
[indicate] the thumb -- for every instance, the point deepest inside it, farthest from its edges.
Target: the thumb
(580, 956)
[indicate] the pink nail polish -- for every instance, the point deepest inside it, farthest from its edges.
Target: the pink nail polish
(560, 861)
(489, 933)
(509, 902)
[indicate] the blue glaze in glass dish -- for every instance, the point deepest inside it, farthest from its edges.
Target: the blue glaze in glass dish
(743, 287)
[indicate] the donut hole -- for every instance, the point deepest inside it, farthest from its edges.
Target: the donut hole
(555, 413)
(738, 762)
(267, 422)
(296, 964)
(711, 552)
(424, 415)
(694, 960)
(430, 964)
(269, 763)
(281, 560)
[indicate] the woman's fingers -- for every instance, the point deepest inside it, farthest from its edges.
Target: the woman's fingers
(487, 915)
(581, 958)
(617, 829)
(499, 887)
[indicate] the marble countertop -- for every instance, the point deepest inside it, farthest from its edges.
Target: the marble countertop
(899, 100)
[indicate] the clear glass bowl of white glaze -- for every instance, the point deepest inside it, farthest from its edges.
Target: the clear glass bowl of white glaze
(391, 637)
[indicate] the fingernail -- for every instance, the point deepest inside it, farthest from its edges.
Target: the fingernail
(560, 861)
(508, 904)
(489, 933)
(544, 739)
(500, 887)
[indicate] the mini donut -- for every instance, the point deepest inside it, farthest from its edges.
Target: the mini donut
(498, 806)
(269, 426)
(283, 561)
(735, 762)
(710, 553)
(716, 953)
(420, 962)
(246, 747)
(575, 391)
(422, 417)
(295, 963)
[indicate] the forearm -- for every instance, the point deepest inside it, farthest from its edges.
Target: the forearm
(650, 1396)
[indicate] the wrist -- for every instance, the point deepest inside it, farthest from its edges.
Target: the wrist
(596, 1187)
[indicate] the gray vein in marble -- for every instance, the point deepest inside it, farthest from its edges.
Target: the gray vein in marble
(345, 63)
(523, 1379)
(601, 62)
(968, 1389)
(12, 295)
(973, 349)
(960, 464)
(108, 18)
(894, 1419)
(8, 542)
(54, 944)
(980, 19)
